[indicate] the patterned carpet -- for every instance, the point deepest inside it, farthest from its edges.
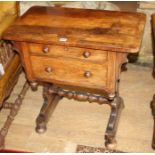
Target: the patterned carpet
(89, 149)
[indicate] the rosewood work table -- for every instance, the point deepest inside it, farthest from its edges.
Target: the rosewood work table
(78, 54)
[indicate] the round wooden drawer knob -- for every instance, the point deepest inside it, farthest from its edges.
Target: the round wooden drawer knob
(45, 50)
(87, 74)
(86, 54)
(48, 69)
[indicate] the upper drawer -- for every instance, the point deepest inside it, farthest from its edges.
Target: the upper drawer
(72, 52)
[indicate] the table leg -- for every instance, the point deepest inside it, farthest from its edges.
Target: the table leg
(52, 95)
(116, 108)
(50, 103)
(153, 113)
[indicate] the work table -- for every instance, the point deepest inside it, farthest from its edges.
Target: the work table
(78, 48)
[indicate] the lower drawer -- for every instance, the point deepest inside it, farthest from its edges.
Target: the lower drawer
(69, 72)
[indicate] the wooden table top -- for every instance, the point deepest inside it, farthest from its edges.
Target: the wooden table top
(97, 29)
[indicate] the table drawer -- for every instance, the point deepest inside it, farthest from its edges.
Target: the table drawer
(72, 52)
(69, 71)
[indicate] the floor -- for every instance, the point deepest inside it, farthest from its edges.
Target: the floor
(83, 123)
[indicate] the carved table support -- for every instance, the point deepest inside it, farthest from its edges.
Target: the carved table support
(13, 112)
(153, 113)
(50, 102)
(116, 107)
(53, 94)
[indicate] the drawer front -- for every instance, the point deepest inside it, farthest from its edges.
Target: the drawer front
(69, 72)
(97, 56)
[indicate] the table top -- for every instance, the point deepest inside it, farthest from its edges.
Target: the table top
(87, 28)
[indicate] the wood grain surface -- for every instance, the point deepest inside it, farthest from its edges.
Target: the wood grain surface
(68, 71)
(97, 29)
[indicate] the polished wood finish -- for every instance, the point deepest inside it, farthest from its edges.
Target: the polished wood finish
(96, 29)
(73, 72)
(96, 56)
(77, 48)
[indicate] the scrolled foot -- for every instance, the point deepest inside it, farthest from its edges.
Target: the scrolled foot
(41, 129)
(110, 144)
(41, 124)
